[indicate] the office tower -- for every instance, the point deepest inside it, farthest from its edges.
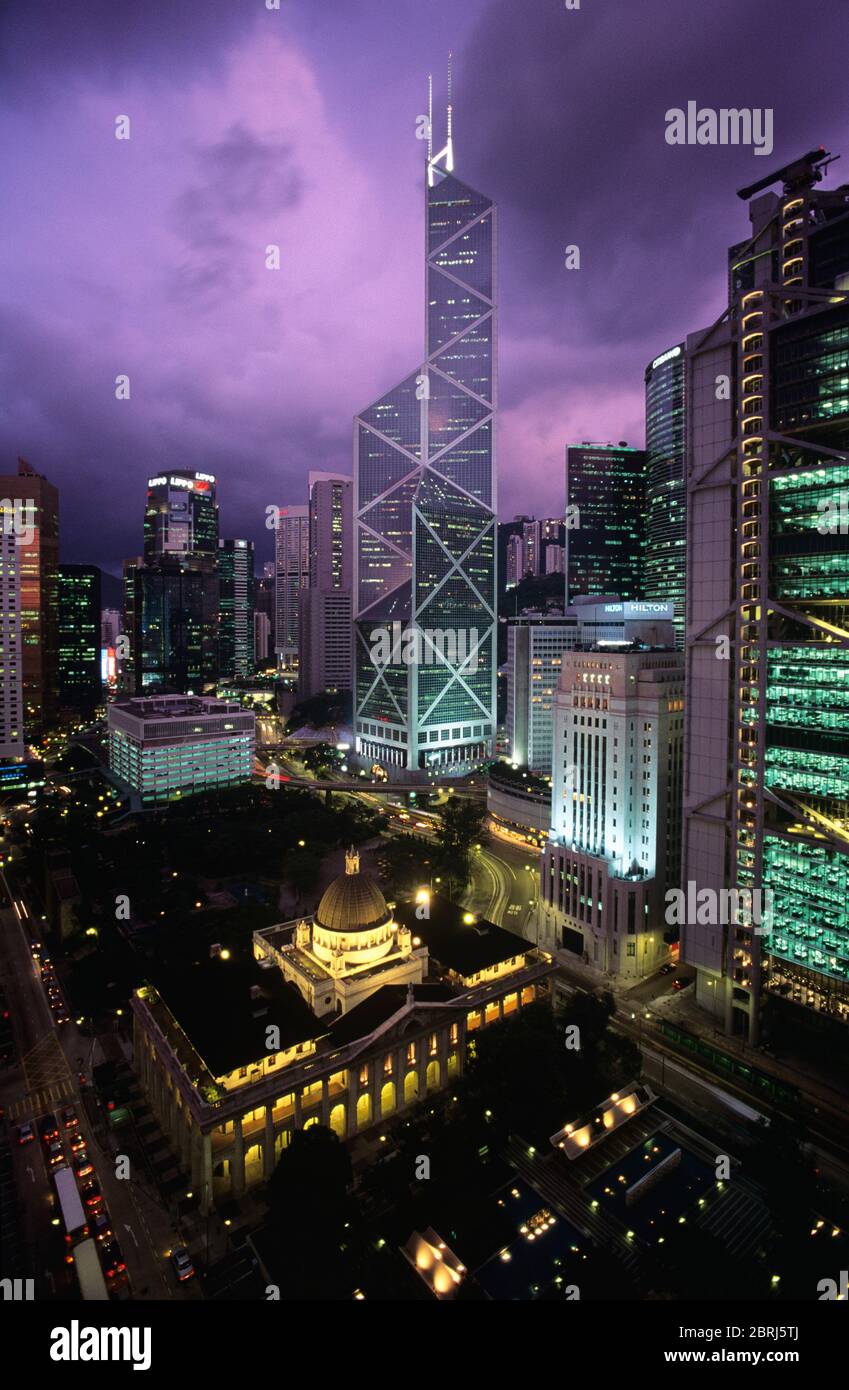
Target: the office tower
(236, 622)
(616, 803)
(666, 492)
(555, 559)
(110, 627)
(181, 529)
(292, 573)
(515, 572)
(535, 647)
(767, 646)
(426, 506)
(181, 516)
(80, 684)
(34, 503)
(166, 622)
(262, 637)
(11, 665)
(605, 520)
(168, 746)
(532, 542)
(326, 613)
(265, 589)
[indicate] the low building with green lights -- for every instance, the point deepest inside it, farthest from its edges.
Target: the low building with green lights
(165, 747)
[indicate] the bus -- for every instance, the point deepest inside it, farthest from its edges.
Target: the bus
(89, 1274)
(74, 1222)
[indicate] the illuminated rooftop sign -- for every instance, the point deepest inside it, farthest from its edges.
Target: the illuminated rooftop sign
(666, 357)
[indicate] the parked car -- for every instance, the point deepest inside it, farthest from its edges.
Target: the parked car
(182, 1265)
(681, 982)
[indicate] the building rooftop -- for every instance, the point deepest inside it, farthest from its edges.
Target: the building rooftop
(464, 947)
(175, 706)
(211, 1000)
(381, 1006)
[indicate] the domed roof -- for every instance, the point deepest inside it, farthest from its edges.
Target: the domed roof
(353, 902)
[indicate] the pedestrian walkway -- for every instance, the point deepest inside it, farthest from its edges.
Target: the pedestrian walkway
(35, 1103)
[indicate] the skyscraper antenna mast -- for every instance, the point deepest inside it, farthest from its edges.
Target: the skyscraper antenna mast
(446, 154)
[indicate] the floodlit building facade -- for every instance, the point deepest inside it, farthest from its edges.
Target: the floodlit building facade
(615, 810)
(425, 504)
(766, 806)
(343, 1020)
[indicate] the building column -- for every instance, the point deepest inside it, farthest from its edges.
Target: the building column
(237, 1159)
(299, 1111)
(268, 1145)
(325, 1104)
(205, 1166)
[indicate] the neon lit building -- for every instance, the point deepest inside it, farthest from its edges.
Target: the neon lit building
(425, 504)
(166, 747)
(665, 569)
(767, 772)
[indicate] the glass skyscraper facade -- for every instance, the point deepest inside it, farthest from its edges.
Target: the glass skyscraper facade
(80, 685)
(425, 506)
(665, 569)
(767, 779)
(236, 622)
(605, 520)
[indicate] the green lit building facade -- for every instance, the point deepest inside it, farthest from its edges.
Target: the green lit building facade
(425, 507)
(80, 685)
(767, 775)
(665, 569)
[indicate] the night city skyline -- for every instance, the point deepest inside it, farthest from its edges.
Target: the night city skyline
(424, 677)
(252, 128)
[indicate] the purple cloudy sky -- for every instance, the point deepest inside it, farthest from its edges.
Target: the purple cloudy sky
(297, 127)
